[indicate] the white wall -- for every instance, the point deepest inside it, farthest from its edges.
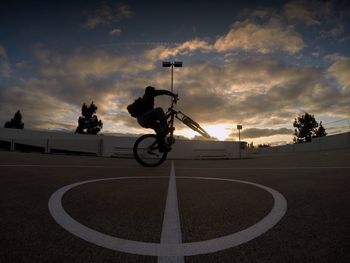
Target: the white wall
(52, 140)
(108, 146)
(115, 146)
(338, 141)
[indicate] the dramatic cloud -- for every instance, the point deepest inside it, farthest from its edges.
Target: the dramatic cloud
(340, 70)
(5, 67)
(249, 35)
(256, 91)
(259, 91)
(49, 103)
(115, 32)
(334, 32)
(106, 14)
(40, 109)
(265, 69)
(23, 65)
(188, 47)
(308, 12)
(330, 17)
(263, 38)
(63, 82)
(316, 12)
(87, 62)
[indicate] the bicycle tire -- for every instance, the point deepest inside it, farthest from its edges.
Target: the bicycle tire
(146, 151)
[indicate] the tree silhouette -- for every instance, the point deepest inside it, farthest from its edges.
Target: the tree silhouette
(306, 128)
(15, 122)
(321, 131)
(88, 123)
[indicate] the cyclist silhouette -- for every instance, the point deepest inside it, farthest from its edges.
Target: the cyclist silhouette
(151, 150)
(150, 117)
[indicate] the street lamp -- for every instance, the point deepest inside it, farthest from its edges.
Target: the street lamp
(168, 64)
(239, 128)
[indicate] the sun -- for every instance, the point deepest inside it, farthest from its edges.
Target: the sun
(219, 131)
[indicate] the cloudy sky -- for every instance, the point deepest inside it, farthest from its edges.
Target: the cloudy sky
(255, 63)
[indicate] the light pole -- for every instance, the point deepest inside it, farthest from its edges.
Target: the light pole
(168, 64)
(239, 128)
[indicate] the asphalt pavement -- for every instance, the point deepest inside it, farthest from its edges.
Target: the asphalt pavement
(216, 199)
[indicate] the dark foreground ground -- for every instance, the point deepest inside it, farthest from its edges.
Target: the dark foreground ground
(315, 227)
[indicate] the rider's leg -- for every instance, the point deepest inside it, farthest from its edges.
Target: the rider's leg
(161, 129)
(161, 117)
(155, 119)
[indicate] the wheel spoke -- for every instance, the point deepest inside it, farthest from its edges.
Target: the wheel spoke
(146, 151)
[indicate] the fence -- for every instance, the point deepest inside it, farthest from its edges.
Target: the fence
(108, 146)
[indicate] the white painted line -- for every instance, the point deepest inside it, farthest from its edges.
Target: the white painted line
(264, 168)
(180, 168)
(72, 166)
(173, 250)
(171, 229)
(51, 166)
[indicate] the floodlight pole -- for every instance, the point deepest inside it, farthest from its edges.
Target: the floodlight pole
(239, 128)
(172, 78)
(176, 64)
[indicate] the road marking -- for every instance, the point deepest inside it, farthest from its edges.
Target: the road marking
(74, 166)
(264, 168)
(170, 250)
(171, 229)
(180, 168)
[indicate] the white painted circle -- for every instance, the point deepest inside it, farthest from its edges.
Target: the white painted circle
(156, 249)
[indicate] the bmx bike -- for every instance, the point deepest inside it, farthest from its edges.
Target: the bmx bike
(146, 148)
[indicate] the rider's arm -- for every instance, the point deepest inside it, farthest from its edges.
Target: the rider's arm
(164, 92)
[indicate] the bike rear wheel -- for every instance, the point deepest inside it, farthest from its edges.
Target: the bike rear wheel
(146, 151)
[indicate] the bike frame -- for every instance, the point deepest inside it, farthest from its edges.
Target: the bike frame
(172, 114)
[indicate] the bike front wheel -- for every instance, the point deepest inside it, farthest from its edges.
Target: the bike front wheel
(146, 151)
